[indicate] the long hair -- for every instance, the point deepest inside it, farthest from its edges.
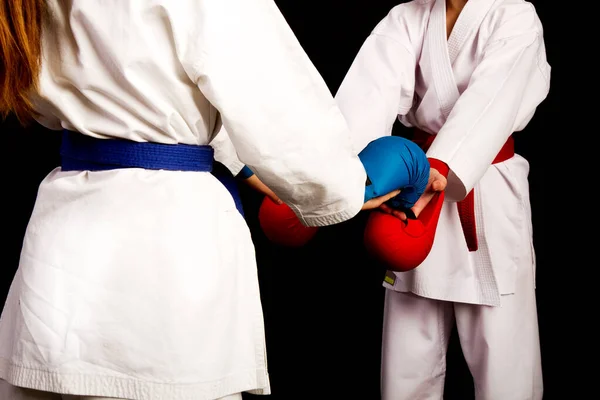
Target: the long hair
(20, 55)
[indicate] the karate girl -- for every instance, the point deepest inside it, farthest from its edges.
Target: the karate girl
(137, 277)
(465, 75)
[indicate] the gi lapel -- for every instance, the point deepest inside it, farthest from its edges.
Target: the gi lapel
(442, 52)
(468, 21)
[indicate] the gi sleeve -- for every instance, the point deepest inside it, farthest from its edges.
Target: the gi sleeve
(506, 87)
(380, 83)
(275, 106)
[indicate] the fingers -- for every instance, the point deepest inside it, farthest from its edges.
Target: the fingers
(422, 203)
(386, 209)
(438, 185)
(264, 189)
(274, 197)
(400, 214)
(390, 196)
(260, 187)
(378, 201)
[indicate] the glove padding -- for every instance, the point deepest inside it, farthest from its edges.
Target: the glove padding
(402, 246)
(392, 163)
(281, 226)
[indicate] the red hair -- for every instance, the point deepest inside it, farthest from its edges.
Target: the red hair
(20, 55)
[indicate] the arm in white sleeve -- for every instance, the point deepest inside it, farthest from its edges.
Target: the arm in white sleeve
(380, 83)
(276, 108)
(225, 152)
(378, 87)
(507, 86)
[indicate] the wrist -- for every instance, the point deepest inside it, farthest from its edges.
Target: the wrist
(245, 173)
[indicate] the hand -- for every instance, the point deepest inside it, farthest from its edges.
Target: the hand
(437, 183)
(376, 202)
(260, 187)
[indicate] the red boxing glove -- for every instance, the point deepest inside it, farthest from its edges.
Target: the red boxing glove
(402, 246)
(281, 226)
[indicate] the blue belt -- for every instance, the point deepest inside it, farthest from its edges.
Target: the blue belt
(85, 153)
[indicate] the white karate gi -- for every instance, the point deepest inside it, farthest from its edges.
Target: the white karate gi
(142, 284)
(473, 89)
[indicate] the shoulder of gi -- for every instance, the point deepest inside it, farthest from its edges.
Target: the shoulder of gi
(406, 23)
(510, 18)
(518, 20)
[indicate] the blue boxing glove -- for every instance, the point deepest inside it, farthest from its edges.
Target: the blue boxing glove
(392, 163)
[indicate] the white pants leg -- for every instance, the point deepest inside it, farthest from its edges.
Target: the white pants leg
(501, 344)
(415, 339)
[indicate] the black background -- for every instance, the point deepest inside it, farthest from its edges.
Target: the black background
(323, 304)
